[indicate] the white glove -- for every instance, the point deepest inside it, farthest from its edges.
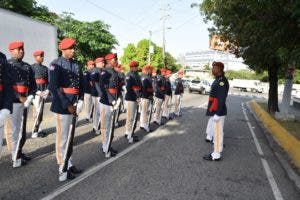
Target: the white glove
(116, 104)
(28, 101)
(216, 118)
(38, 93)
(3, 115)
(79, 107)
(46, 94)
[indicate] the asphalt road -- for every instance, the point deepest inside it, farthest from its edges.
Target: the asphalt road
(165, 164)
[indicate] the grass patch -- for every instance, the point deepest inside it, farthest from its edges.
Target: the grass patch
(291, 126)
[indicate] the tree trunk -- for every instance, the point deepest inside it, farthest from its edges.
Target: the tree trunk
(273, 88)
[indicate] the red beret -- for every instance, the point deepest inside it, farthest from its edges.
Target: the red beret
(163, 71)
(100, 59)
(218, 64)
(168, 72)
(15, 45)
(110, 56)
(134, 63)
(90, 62)
(66, 43)
(38, 53)
(147, 67)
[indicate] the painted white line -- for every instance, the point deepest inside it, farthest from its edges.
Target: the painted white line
(203, 105)
(276, 192)
(96, 168)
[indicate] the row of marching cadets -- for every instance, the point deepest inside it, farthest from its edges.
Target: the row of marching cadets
(106, 90)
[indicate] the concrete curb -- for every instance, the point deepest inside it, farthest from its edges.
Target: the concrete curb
(289, 143)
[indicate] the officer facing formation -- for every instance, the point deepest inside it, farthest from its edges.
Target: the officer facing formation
(146, 98)
(178, 93)
(217, 111)
(66, 86)
(168, 95)
(41, 79)
(108, 103)
(132, 97)
(6, 95)
(24, 86)
(88, 102)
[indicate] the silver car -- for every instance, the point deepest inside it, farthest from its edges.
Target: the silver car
(201, 86)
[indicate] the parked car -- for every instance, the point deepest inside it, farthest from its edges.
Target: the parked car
(201, 86)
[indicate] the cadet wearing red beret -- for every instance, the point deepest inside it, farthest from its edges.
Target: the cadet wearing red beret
(90, 62)
(15, 45)
(100, 59)
(38, 53)
(110, 56)
(134, 63)
(66, 43)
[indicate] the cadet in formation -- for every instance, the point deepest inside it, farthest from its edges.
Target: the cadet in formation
(217, 111)
(41, 79)
(88, 102)
(159, 95)
(178, 93)
(132, 97)
(168, 95)
(146, 98)
(6, 95)
(24, 86)
(66, 86)
(108, 103)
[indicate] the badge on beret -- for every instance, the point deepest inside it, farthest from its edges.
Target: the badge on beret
(221, 83)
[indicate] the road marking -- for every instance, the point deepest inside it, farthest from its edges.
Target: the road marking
(203, 105)
(96, 168)
(272, 181)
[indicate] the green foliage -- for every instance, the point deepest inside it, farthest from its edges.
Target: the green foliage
(140, 54)
(93, 38)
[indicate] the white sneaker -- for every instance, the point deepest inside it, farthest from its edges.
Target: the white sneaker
(130, 140)
(62, 176)
(34, 135)
(17, 163)
(107, 155)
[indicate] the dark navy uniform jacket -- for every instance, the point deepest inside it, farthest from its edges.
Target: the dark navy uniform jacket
(87, 81)
(147, 88)
(133, 86)
(217, 97)
(122, 78)
(93, 80)
(65, 84)
(41, 76)
(22, 78)
(160, 87)
(6, 90)
(178, 86)
(168, 90)
(109, 85)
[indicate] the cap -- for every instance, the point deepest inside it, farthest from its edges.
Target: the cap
(66, 43)
(90, 62)
(38, 53)
(134, 63)
(100, 59)
(15, 45)
(110, 56)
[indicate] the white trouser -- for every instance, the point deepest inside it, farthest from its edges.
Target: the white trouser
(215, 129)
(106, 117)
(131, 116)
(36, 109)
(145, 113)
(63, 123)
(158, 110)
(96, 114)
(167, 106)
(88, 105)
(178, 102)
(1, 135)
(14, 129)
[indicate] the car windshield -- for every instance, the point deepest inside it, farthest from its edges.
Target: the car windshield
(195, 81)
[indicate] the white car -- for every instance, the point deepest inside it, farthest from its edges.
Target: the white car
(201, 86)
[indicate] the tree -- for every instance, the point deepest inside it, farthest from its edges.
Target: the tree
(257, 31)
(92, 38)
(140, 54)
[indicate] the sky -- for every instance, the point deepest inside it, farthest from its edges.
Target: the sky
(131, 21)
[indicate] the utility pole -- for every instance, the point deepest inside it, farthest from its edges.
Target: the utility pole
(149, 52)
(163, 31)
